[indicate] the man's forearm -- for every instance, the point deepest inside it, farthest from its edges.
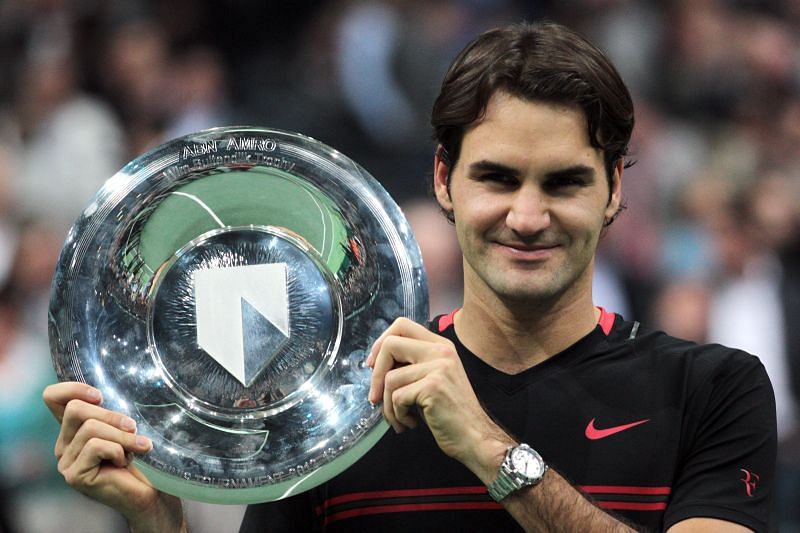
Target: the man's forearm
(551, 505)
(555, 505)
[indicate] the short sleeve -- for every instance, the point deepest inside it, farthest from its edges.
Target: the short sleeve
(730, 433)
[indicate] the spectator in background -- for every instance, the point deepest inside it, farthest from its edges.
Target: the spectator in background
(745, 307)
(748, 305)
(681, 307)
(774, 207)
(8, 233)
(136, 69)
(38, 243)
(197, 99)
(69, 143)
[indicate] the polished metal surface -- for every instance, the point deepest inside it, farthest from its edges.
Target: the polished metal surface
(222, 290)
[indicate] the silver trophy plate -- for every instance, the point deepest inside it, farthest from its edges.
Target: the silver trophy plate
(222, 290)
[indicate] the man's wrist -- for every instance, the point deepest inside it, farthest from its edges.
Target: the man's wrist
(166, 517)
(490, 454)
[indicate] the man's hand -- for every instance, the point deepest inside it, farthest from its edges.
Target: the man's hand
(416, 368)
(94, 450)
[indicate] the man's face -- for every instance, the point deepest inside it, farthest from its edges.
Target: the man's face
(529, 194)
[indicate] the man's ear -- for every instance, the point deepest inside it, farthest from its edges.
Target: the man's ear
(441, 180)
(615, 194)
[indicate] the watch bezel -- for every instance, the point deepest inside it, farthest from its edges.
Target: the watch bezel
(510, 479)
(522, 470)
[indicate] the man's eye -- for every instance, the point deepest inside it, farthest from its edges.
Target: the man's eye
(564, 182)
(497, 177)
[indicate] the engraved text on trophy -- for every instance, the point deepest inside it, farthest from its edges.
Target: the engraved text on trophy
(242, 316)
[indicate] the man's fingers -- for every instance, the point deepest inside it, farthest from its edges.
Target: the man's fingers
(402, 388)
(406, 351)
(93, 430)
(394, 350)
(402, 327)
(77, 412)
(404, 403)
(402, 350)
(57, 396)
(82, 467)
(103, 465)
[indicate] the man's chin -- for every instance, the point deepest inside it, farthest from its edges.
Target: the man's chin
(528, 294)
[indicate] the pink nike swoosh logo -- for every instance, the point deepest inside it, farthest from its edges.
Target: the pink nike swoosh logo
(592, 433)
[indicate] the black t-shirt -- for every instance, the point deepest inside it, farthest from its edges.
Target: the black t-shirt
(651, 428)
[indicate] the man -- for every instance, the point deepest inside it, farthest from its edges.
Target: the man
(633, 429)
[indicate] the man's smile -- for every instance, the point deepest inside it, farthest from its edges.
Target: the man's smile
(527, 251)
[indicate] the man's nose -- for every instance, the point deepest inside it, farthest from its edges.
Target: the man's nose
(529, 211)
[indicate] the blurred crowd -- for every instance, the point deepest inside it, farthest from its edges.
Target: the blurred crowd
(708, 248)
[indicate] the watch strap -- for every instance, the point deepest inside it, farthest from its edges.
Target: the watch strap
(502, 486)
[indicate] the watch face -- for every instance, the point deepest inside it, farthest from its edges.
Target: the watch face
(527, 463)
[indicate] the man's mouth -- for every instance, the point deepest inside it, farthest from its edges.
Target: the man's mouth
(524, 247)
(528, 251)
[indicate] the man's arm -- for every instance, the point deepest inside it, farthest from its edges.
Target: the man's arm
(554, 504)
(415, 370)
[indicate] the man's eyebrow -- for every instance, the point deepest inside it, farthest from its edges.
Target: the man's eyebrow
(573, 171)
(490, 166)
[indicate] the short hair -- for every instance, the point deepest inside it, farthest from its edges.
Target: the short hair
(542, 61)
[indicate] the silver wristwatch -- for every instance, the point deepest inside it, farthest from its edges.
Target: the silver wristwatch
(522, 467)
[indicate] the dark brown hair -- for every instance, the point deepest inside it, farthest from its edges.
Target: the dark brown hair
(541, 61)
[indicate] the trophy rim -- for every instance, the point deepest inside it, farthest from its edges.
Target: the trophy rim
(277, 491)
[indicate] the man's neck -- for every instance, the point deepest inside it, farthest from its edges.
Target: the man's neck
(513, 338)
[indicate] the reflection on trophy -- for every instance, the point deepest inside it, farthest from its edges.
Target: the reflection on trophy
(223, 290)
